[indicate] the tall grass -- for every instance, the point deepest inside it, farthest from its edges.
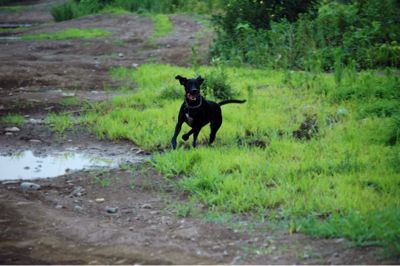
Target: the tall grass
(342, 182)
(73, 9)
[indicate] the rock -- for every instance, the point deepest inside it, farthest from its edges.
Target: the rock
(77, 192)
(9, 134)
(147, 206)
(68, 94)
(35, 121)
(166, 220)
(10, 182)
(121, 55)
(27, 168)
(12, 129)
(100, 200)
(341, 111)
(29, 186)
(78, 208)
(111, 210)
(59, 206)
(236, 260)
(35, 141)
(134, 65)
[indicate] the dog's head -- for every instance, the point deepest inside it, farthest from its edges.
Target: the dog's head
(192, 87)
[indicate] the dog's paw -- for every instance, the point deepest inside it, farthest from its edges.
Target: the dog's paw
(173, 144)
(185, 137)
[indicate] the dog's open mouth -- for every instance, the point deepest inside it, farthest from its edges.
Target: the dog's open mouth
(191, 97)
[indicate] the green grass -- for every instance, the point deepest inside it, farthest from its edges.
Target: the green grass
(70, 101)
(13, 119)
(68, 34)
(343, 182)
(162, 25)
(12, 8)
(60, 122)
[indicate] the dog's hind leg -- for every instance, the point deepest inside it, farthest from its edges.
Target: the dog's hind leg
(214, 128)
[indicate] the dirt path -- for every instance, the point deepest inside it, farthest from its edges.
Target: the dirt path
(129, 214)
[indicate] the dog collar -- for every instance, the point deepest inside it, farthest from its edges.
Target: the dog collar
(194, 107)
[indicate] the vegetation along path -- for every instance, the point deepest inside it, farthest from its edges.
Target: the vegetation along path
(88, 107)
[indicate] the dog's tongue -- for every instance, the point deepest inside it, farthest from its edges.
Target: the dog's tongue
(191, 97)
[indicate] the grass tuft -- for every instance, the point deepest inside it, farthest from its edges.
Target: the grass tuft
(68, 34)
(13, 119)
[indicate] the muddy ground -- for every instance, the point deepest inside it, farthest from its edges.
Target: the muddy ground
(151, 224)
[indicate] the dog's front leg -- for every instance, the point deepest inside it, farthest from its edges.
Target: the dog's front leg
(186, 136)
(177, 130)
(196, 132)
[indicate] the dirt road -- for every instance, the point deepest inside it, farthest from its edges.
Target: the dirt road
(129, 214)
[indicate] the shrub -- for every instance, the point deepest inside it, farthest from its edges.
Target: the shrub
(216, 84)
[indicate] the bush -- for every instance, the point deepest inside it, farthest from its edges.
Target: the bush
(216, 85)
(366, 32)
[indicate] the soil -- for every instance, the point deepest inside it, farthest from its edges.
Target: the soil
(55, 225)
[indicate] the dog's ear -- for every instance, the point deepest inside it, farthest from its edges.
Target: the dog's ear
(199, 80)
(181, 79)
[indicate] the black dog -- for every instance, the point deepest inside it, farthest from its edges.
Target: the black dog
(197, 111)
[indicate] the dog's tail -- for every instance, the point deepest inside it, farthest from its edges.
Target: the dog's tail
(230, 101)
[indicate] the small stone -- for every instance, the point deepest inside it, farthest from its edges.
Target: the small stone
(35, 141)
(121, 55)
(78, 208)
(131, 228)
(111, 209)
(134, 65)
(68, 94)
(236, 260)
(59, 206)
(12, 129)
(341, 111)
(77, 192)
(100, 200)
(29, 186)
(27, 168)
(9, 134)
(147, 206)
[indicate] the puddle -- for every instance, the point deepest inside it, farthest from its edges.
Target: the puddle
(9, 38)
(27, 165)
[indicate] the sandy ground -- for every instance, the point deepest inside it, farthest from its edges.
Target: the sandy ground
(57, 225)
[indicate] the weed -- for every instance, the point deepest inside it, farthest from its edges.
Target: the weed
(60, 122)
(13, 119)
(70, 101)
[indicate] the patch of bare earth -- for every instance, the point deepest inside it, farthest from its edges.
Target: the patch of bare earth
(134, 216)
